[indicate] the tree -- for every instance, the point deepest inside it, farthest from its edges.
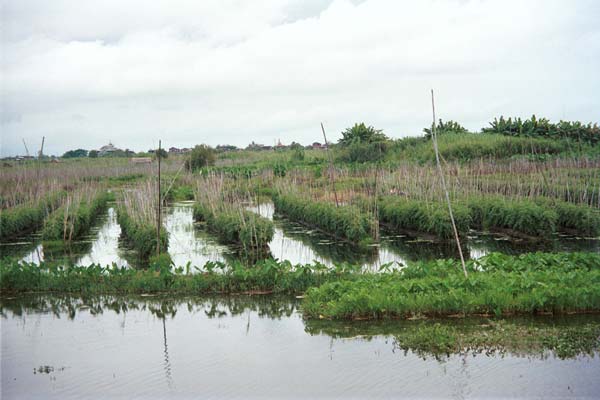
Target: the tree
(445, 127)
(298, 151)
(93, 154)
(362, 134)
(75, 153)
(161, 153)
(201, 156)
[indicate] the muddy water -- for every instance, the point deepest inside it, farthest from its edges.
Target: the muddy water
(251, 347)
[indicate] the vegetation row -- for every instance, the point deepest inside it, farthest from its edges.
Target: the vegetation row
(347, 222)
(497, 285)
(141, 235)
(248, 230)
(27, 217)
(75, 218)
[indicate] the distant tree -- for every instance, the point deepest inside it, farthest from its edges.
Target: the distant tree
(361, 134)
(445, 127)
(298, 151)
(93, 154)
(201, 156)
(75, 153)
(162, 153)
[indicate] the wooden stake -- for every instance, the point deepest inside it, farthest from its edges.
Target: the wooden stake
(439, 166)
(159, 204)
(331, 169)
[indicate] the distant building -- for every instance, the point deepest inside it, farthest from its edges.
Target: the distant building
(317, 146)
(107, 150)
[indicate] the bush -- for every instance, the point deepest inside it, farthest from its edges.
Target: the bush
(200, 157)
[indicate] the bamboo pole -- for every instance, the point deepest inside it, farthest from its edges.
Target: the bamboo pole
(159, 203)
(331, 168)
(439, 166)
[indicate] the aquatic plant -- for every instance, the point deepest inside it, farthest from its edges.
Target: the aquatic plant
(75, 216)
(27, 217)
(497, 285)
(400, 214)
(346, 222)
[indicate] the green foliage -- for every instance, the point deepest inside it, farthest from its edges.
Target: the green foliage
(361, 134)
(400, 214)
(279, 170)
(472, 146)
(201, 156)
(140, 236)
(345, 222)
(542, 127)
(161, 153)
(363, 152)
(578, 218)
(497, 284)
(240, 227)
(26, 217)
(217, 278)
(444, 128)
(75, 153)
(520, 216)
(93, 154)
(70, 223)
(298, 153)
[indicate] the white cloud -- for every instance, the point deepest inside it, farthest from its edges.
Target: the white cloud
(235, 71)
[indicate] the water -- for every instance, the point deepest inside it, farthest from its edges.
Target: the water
(188, 242)
(251, 347)
(100, 246)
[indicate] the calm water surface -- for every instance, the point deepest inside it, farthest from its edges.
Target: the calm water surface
(247, 347)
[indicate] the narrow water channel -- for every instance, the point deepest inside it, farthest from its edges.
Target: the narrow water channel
(247, 347)
(189, 243)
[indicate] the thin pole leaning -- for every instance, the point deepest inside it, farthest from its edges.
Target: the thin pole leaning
(439, 166)
(331, 170)
(159, 203)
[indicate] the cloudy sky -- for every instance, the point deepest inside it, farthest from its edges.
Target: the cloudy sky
(83, 73)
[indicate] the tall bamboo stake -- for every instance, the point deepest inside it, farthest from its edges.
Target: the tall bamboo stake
(439, 166)
(331, 177)
(159, 204)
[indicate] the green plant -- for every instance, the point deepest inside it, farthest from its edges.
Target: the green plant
(200, 157)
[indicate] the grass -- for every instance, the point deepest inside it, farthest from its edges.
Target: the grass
(27, 217)
(346, 222)
(75, 217)
(497, 285)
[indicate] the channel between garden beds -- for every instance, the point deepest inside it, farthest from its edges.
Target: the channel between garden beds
(498, 284)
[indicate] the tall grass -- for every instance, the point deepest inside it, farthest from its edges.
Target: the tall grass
(223, 211)
(76, 215)
(27, 217)
(137, 216)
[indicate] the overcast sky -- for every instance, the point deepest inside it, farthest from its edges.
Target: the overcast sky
(83, 73)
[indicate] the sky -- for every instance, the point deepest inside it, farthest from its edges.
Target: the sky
(84, 73)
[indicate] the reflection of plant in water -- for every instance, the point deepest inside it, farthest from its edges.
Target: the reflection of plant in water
(322, 245)
(159, 306)
(566, 337)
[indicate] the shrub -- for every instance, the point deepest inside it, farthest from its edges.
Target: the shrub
(200, 157)
(141, 236)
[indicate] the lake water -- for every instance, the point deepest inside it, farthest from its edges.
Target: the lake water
(251, 347)
(189, 242)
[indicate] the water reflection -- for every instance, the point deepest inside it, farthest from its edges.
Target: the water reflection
(189, 244)
(259, 346)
